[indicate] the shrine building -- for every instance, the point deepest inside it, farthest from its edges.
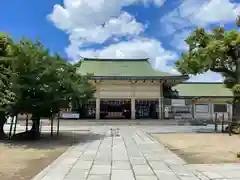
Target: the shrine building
(132, 89)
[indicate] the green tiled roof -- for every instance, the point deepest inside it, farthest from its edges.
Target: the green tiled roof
(120, 67)
(203, 89)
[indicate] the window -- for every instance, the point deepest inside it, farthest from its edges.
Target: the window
(201, 108)
(220, 107)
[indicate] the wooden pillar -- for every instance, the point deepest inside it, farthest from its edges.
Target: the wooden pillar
(211, 111)
(230, 112)
(160, 102)
(133, 101)
(160, 108)
(97, 108)
(97, 102)
(133, 108)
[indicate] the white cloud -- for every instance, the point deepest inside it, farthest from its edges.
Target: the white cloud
(90, 22)
(137, 48)
(207, 77)
(124, 25)
(216, 11)
(178, 40)
(159, 2)
(191, 13)
(100, 15)
(202, 13)
(95, 22)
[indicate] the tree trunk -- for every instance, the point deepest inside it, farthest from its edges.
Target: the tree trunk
(33, 134)
(3, 120)
(236, 101)
(35, 130)
(236, 109)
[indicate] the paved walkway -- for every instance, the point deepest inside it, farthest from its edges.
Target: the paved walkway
(133, 155)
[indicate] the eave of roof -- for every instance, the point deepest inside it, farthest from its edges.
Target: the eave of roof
(164, 78)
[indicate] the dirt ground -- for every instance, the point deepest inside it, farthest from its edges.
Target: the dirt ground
(202, 148)
(23, 160)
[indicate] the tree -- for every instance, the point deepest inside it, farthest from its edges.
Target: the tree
(7, 97)
(217, 51)
(45, 84)
(42, 84)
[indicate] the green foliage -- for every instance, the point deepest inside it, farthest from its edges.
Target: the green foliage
(169, 93)
(45, 83)
(7, 96)
(215, 51)
(33, 81)
(236, 88)
(235, 129)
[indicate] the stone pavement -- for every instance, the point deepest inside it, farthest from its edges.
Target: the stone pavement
(133, 155)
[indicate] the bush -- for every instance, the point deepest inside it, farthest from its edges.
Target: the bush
(235, 129)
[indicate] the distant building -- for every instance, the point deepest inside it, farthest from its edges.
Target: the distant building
(132, 89)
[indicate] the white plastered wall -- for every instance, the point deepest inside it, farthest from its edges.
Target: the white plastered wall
(121, 89)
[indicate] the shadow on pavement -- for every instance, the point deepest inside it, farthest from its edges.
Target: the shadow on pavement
(47, 142)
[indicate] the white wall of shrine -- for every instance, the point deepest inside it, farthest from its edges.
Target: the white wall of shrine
(127, 90)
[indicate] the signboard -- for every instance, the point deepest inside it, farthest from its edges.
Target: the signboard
(166, 112)
(70, 115)
(220, 116)
(202, 108)
(178, 102)
(180, 108)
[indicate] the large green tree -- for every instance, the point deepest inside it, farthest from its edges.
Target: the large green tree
(43, 83)
(217, 51)
(7, 96)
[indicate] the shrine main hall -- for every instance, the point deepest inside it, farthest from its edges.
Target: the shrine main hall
(132, 89)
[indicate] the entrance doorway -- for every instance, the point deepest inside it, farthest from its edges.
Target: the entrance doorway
(147, 109)
(115, 109)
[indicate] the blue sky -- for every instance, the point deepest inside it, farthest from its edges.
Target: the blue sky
(117, 28)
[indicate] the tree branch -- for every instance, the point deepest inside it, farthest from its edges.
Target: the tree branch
(223, 70)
